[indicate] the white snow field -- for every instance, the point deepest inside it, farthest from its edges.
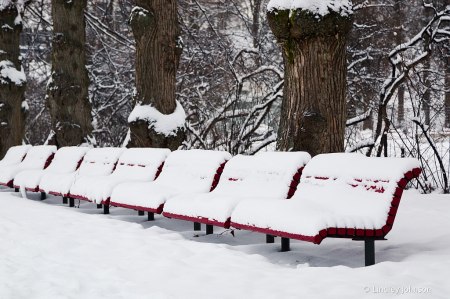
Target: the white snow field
(48, 250)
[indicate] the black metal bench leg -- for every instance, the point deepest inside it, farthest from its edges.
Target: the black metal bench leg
(16, 189)
(43, 196)
(285, 244)
(71, 202)
(99, 206)
(105, 209)
(209, 229)
(270, 239)
(64, 200)
(197, 226)
(141, 213)
(369, 251)
(151, 216)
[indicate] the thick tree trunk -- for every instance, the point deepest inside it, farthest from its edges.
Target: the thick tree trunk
(158, 49)
(13, 110)
(313, 112)
(67, 91)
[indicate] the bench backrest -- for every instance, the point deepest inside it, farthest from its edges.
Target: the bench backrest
(100, 161)
(267, 174)
(192, 170)
(39, 157)
(15, 155)
(355, 185)
(67, 159)
(143, 164)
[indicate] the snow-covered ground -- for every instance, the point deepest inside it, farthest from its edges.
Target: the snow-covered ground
(48, 250)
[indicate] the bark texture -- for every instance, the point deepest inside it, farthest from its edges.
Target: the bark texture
(12, 114)
(158, 50)
(313, 111)
(67, 91)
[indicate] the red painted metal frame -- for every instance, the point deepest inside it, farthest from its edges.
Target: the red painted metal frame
(339, 232)
(54, 193)
(79, 197)
(139, 208)
(8, 184)
(204, 220)
(49, 160)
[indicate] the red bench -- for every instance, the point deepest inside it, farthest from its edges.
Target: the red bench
(97, 161)
(184, 171)
(339, 196)
(265, 175)
(135, 165)
(38, 157)
(66, 160)
(15, 155)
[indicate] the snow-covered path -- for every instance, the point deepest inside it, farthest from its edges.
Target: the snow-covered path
(48, 250)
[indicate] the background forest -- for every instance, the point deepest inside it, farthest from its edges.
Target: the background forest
(230, 79)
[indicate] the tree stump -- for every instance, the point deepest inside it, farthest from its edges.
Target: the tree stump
(313, 111)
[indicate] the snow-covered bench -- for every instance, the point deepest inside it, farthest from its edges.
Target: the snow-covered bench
(38, 157)
(135, 165)
(66, 160)
(15, 155)
(340, 196)
(185, 171)
(97, 161)
(265, 175)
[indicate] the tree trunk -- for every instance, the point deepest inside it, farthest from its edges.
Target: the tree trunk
(13, 109)
(256, 10)
(399, 40)
(447, 101)
(67, 90)
(313, 111)
(158, 50)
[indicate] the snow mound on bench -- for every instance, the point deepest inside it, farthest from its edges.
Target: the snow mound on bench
(15, 155)
(65, 161)
(36, 158)
(185, 171)
(97, 161)
(358, 166)
(267, 174)
(135, 165)
(336, 190)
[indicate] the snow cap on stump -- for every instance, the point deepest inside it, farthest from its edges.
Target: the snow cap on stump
(303, 19)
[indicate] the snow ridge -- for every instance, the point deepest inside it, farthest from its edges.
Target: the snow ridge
(9, 71)
(166, 124)
(319, 7)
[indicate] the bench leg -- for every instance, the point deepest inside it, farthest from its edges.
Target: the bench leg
(141, 213)
(285, 244)
(71, 202)
(369, 251)
(151, 216)
(64, 200)
(16, 189)
(99, 206)
(43, 196)
(209, 229)
(105, 209)
(270, 239)
(197, 226)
